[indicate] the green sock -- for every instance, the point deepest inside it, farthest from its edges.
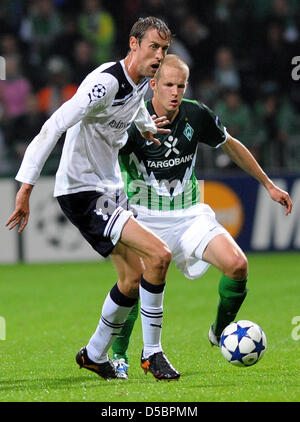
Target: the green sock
(120, 345)
(232, 294)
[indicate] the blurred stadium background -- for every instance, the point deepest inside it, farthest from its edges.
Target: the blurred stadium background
(241, 57)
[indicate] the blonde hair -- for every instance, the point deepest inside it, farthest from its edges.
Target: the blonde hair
(174, 61)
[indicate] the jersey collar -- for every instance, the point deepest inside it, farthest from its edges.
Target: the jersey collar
(136, 86)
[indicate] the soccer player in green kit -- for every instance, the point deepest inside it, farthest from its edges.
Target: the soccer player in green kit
(165, 196)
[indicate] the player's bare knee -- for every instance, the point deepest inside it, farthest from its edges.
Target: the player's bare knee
(165, 255)
(161, 259)
(239, 267)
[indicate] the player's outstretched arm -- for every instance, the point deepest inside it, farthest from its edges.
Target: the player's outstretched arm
(245, 160)
(21, 212)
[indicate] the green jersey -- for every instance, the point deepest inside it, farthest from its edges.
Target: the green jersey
(162, 177)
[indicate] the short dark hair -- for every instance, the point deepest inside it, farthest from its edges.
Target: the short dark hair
(142, 25)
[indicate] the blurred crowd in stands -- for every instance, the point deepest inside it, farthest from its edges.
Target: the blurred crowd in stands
(239, 52)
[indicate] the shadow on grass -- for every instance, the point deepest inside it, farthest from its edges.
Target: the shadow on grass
(32, 384)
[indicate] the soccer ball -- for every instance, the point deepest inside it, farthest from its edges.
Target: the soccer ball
(243, 343)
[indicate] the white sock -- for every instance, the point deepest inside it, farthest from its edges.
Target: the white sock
(151, 298)
(115, 310)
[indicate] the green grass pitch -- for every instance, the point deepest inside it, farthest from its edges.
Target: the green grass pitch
(51, 310)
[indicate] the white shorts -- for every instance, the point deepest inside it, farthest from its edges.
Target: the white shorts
(184, 231)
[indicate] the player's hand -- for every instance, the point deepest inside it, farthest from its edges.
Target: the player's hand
(160, 123)
(282, 197)
(21, 212)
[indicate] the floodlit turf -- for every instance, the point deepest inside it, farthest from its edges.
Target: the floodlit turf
(52, 310)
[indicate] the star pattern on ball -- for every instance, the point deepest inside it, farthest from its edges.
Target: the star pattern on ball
(241, 332)
(237, 355)
(259, 347)
(245, 343)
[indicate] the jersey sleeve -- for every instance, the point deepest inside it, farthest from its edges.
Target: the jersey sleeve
(143, 120)
(132, 138)
(214, 133)
(97, 91)
(88, 96)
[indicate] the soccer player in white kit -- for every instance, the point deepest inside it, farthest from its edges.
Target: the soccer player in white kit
(89, 189)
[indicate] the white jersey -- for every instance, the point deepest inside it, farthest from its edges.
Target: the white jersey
(96, 119)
